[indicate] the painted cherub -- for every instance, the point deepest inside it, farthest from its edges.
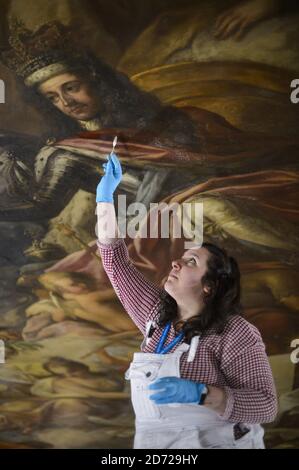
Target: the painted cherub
(77, 296)
(73, 379)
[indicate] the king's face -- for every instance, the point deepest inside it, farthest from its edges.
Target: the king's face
(73, 95)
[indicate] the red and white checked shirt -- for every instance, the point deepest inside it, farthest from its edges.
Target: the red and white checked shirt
(234, 360)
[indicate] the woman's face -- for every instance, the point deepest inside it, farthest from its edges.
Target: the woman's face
(72, 95)
(184, 280)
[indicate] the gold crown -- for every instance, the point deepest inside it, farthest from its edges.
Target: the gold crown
(29, 52)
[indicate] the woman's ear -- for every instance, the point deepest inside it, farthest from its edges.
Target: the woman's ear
(206, 289)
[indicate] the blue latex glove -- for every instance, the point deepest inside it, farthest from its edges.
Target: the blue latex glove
(176, 390)
(110, 180)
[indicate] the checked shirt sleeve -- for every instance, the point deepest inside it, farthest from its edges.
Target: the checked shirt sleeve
(250, 389)
(138, 295)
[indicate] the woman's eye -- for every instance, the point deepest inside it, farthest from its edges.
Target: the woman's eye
(191, 260)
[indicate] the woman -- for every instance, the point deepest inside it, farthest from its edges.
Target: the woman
(203, 379)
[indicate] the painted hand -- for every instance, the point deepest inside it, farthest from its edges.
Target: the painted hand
(110, 180)
(176, 390)
(235, 22)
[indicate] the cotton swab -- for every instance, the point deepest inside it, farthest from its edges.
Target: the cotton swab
(113, 147)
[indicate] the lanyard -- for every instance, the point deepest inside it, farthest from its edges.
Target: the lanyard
(159, 348)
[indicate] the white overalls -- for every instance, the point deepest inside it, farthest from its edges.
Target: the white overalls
(178, 425)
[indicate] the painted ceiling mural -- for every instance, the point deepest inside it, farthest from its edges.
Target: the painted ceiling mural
(198, 93)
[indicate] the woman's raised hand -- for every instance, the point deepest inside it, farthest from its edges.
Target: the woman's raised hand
(110, 180)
